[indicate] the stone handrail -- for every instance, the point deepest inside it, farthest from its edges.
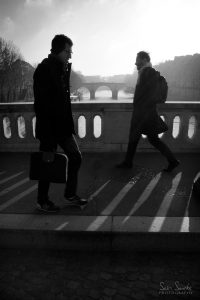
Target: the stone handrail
(102, 126)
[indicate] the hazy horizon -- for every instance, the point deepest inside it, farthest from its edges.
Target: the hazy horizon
(107, 34)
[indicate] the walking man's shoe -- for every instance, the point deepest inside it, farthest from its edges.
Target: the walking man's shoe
(48, 206)
(76, 201)
(124, 165)
(172, 166)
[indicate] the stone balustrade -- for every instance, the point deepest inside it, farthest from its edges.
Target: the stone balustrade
(102, 126)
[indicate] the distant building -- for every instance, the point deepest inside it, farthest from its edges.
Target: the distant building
(18, 83)
(183, 77)
(25, 88)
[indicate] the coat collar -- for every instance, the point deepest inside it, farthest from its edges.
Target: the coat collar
(53, 59)
(148, 64)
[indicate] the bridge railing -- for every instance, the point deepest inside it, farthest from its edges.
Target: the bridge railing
(102, 127)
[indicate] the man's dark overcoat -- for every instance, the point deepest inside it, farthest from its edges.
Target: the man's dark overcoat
(145, 118)
(52, 101)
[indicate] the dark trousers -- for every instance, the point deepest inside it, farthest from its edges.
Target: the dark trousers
(71, 149)
(155, 141)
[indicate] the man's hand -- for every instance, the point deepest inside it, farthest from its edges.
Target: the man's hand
(48, 157)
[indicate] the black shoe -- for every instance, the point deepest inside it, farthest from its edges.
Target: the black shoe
(48, 206)
(75, 201)
(124, 165)
(172, 166)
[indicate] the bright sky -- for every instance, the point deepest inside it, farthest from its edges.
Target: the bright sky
(107, 34)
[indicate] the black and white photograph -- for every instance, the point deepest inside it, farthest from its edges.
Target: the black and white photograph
(99, 149)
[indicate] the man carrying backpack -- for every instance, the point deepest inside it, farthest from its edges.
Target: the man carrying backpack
(150, 90)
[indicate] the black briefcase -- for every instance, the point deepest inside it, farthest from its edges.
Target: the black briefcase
(52, 171)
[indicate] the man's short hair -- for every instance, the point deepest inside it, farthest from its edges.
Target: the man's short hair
(144, 55)
(58, 43)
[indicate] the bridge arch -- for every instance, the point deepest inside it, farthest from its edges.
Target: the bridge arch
(103, 88)
(85, 92)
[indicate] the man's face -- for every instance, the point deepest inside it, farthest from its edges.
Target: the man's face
(65, 54)
(140, 62)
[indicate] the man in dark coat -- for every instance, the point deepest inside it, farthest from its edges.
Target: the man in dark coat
(145, 119)
(54, 121)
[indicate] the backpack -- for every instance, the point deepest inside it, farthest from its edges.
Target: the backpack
(162, 88)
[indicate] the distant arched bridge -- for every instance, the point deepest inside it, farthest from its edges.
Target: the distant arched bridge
(93, 86)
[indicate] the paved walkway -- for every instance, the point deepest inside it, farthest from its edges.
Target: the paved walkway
(139, 209)
(141, 191)
(42, 275)
(142, 200)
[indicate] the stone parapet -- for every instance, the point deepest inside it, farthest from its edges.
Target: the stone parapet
(102, 126)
